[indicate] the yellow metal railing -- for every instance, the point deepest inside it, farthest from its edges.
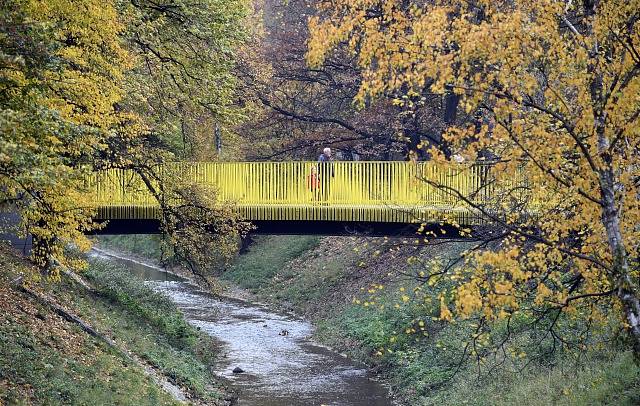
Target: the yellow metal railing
(339, 191)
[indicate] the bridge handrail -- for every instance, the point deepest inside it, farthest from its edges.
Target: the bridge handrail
(301, 186)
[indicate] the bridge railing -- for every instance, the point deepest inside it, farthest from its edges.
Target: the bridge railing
(361, 191)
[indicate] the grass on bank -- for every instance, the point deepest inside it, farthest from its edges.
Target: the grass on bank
(46, 360)
(265, 257)
(151, 326)
(34, 372)
(419, 365)
(144, 245)
(599, 378)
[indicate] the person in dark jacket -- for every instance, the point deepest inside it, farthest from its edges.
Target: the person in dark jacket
(325, 173)
(325, 156)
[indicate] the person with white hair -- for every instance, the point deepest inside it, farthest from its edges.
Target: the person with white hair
(325, 172)
(325, 156)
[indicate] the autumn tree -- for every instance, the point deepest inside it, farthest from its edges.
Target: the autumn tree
(183, 87)
(88, 85)
(183, 83)
(61, 76)
(556, 84)
(300, 109)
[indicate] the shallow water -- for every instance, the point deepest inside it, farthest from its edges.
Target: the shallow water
(282, 366)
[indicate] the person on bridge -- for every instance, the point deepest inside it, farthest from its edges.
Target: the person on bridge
(325, 173)
(325, 156)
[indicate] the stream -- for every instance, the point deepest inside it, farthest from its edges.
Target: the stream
(282, 366)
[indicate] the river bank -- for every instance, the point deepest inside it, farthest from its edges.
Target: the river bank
(360, 294)
(329, 280)
(144, 352)
(267, 357)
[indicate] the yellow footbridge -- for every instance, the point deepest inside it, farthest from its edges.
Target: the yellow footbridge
(307, 193)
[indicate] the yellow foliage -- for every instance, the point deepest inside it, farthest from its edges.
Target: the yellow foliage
(558, 86)
(75, 97)
(61, 78)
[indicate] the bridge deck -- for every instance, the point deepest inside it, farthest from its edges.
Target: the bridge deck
(375, 192)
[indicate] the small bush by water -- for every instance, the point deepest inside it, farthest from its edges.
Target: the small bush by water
(130, 293)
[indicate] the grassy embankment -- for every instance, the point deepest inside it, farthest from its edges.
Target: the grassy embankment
(320, 278)
(45, 359)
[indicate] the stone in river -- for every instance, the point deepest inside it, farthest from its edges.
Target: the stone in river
(238, 370)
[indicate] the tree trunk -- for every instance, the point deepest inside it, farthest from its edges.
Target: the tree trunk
(625, 289)
(621, 273)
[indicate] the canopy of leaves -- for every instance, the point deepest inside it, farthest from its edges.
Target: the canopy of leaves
(183, 82)
(557, 84)
(90, 84)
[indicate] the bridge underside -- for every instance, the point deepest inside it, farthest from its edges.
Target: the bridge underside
(329, 212)
(308, 219)
(297, 227)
